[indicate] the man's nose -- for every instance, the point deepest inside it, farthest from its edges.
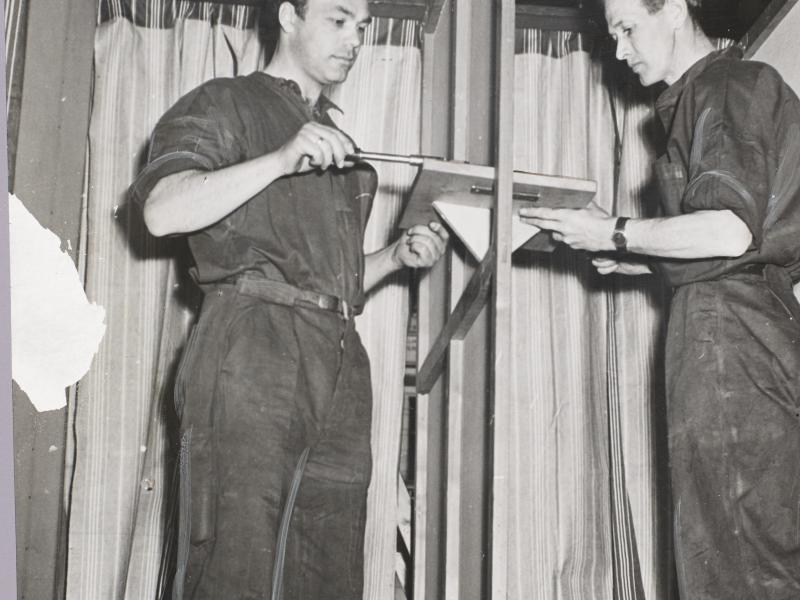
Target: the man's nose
(355, 39)
(623, 49)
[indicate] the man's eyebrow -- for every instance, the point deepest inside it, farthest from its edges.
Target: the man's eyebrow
(346, 11)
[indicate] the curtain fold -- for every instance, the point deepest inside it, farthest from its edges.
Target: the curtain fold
(147, 54)
(586, 402)
(637, 318)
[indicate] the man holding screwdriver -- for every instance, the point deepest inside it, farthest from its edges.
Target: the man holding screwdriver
(274, 386)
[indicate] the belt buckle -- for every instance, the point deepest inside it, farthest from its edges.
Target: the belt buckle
(325, 302)
(347, 310)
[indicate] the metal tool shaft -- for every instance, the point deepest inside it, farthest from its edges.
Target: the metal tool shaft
(359, 156)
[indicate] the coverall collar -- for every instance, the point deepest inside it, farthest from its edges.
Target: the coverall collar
(323, 105)
(668, 100)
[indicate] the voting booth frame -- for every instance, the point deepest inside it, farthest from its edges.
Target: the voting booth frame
(460, 515)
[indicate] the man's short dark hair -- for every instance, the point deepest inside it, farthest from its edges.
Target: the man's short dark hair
(694, 6)
(268, 26)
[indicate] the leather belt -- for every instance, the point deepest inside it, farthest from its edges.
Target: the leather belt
(750, 269)
(280, 292)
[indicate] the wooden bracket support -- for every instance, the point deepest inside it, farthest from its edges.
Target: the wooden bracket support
(459, 322)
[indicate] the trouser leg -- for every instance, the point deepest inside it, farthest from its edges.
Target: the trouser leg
(280, 382)
(256, 440)
(326, 541)
(735, 447)
(736, 516)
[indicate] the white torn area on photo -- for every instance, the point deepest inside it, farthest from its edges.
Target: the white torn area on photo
(55, 330)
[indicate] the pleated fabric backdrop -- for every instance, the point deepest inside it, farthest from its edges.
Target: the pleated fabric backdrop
(147, 54)
(583, 520)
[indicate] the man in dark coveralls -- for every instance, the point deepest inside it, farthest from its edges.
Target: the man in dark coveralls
(274, 386)
(729, 244)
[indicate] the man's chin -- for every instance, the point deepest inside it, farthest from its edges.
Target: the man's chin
(338, 75)
(645, 80)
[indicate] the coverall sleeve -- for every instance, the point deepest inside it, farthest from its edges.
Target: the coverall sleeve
(728, 162)
(193, 134)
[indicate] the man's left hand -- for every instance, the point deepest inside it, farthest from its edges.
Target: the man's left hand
(421, 245)
(587, 228)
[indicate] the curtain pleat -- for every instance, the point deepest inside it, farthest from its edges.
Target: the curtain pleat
(584, 520)
(120, 495)
(559, 525)
(637, 318)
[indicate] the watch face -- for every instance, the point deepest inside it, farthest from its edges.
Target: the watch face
(619, 239)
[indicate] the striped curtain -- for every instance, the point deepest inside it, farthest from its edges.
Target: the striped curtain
(637, 315)
(147, 54)
(585, 407)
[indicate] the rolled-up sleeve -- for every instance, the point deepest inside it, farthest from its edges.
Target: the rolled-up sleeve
(728, 163)
(193, 134)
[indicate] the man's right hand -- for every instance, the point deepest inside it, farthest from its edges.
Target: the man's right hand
(315, 146)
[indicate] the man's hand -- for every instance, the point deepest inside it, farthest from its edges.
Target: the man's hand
(588, 228)
(420, 246)
(606, 266)
(315, 146)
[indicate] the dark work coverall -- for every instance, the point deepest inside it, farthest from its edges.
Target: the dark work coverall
(733, 345)
(262, 381)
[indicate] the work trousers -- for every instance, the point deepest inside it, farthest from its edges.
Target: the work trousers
(733, 383)
(259, 384)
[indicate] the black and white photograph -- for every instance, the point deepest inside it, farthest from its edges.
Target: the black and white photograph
(402, 300)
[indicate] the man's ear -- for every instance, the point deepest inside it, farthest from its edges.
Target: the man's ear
(677, 12)
(287, 16)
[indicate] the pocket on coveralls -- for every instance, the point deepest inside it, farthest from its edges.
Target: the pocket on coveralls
(198, 486)
(202, 483)
(671, 181)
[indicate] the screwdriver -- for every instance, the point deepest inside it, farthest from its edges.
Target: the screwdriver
(411, 159)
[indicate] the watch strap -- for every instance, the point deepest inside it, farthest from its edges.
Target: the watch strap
(618, 237)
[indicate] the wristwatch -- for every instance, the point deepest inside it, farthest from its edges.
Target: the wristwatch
(618, 237)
